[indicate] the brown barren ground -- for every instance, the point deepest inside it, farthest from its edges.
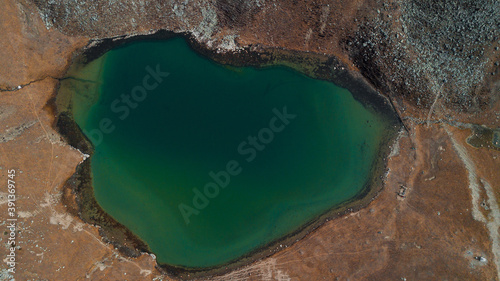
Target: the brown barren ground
(449, 214)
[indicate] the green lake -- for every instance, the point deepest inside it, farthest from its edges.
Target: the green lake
(206, 162)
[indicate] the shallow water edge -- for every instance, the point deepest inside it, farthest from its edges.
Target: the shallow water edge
(78, 191)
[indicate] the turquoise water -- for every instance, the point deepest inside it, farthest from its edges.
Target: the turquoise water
(283, 147)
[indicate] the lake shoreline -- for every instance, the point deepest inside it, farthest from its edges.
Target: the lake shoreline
(311, 64)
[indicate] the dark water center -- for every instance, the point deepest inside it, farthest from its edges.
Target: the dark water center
(207, 163)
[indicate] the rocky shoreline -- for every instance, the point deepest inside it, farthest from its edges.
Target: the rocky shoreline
(79, 187)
